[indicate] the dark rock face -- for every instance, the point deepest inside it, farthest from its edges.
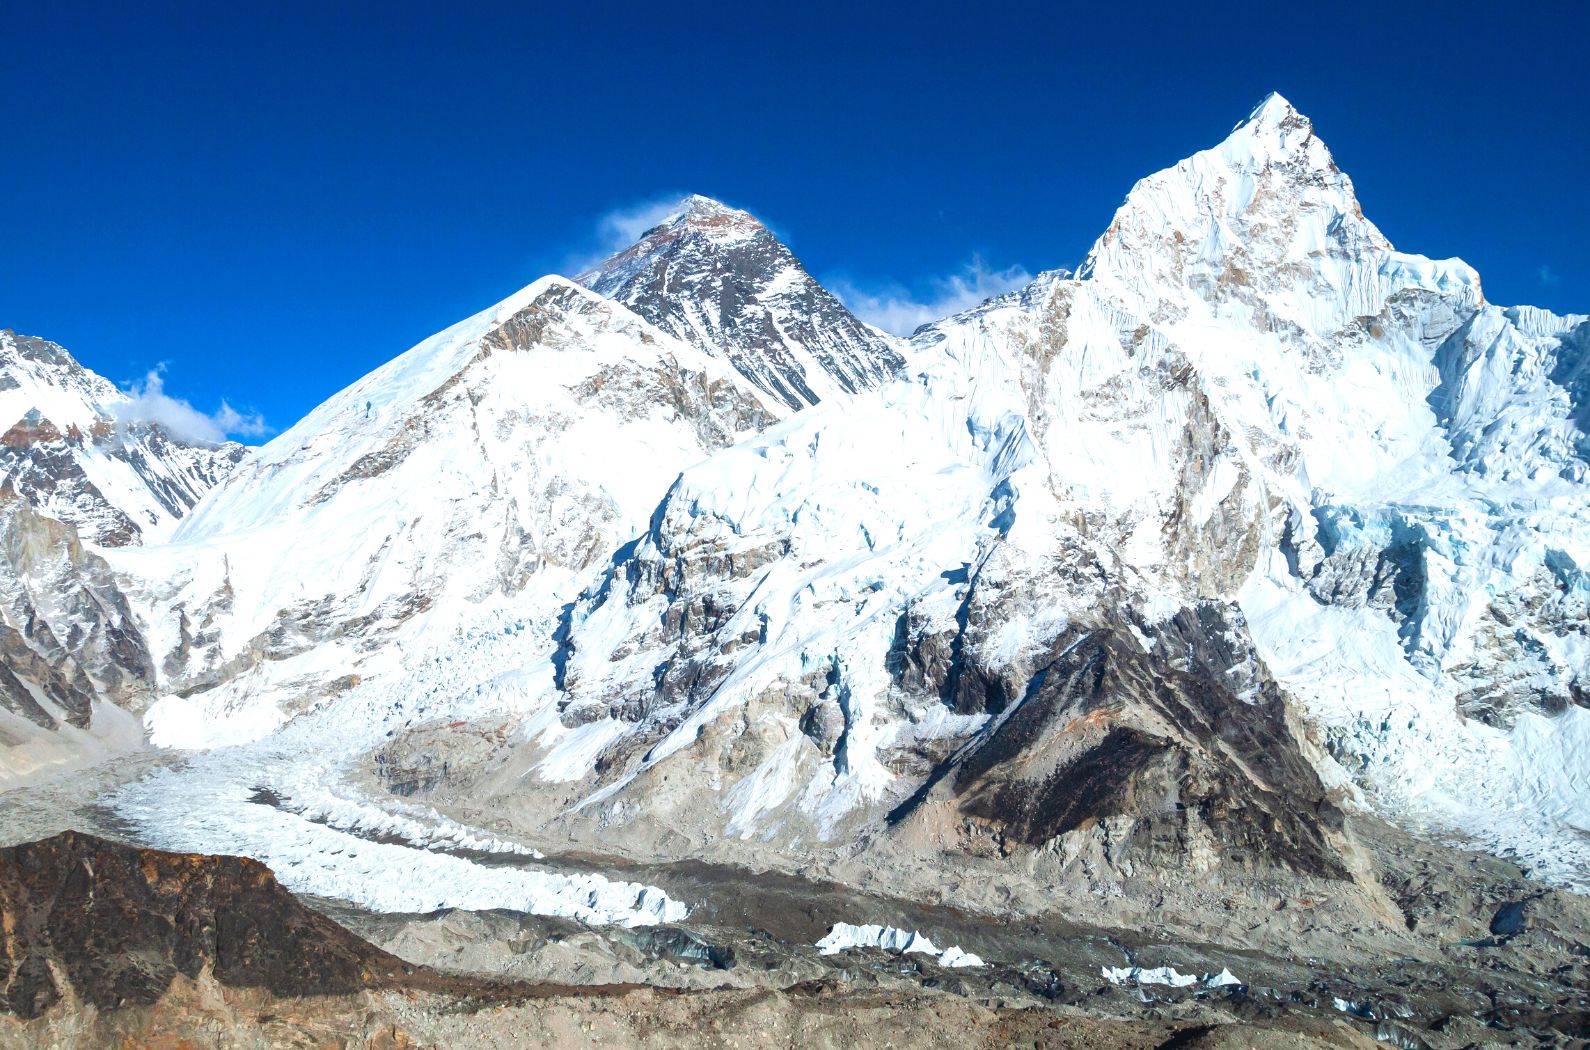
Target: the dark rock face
(1186, 738)
(118, 924)
(717, 278)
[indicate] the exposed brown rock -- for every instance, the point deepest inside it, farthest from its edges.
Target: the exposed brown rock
(113, 925)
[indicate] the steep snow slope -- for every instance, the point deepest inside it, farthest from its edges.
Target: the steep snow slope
(715, 277)
(507, 455)
(1249, 417)
(73, 450)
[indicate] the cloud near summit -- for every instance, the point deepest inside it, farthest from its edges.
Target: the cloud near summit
(151, 404)
(898, 310)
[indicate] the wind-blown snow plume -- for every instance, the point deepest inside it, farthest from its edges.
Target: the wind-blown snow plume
(621, 227)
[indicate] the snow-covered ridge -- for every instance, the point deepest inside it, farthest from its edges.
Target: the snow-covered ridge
(354, 422)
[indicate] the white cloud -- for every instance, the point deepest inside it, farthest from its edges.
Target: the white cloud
(894, 308)
(1549, 277)
(151, 404)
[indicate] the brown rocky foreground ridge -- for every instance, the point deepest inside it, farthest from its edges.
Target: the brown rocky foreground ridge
(103, 944)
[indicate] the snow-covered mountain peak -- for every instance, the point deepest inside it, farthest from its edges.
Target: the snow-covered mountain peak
(1265, 228)
(714, 219)
(702, 204)
(70, 444)
(1275, 135)
(716, 277)
(1274, 113)
(15, 349)
(695, 218)
(492, 464)
(37, 375)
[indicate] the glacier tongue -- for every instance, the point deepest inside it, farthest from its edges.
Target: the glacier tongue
(201, 809)
(287, 801)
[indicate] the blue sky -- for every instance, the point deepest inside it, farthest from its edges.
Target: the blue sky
(270, 201)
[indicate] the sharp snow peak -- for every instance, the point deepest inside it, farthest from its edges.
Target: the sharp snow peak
(1272, 111)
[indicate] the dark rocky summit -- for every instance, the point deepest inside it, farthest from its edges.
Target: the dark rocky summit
(716, 277)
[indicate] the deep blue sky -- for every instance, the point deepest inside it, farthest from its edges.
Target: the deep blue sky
(272, 201)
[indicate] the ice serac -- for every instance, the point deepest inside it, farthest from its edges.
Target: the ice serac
(74, 447)
(717, 278)
(504, 458)
(1101, 577)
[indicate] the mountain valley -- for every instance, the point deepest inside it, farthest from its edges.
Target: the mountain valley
(1191, 649)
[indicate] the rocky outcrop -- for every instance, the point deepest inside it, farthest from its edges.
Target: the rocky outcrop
(92, 922)
(1172, 732)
